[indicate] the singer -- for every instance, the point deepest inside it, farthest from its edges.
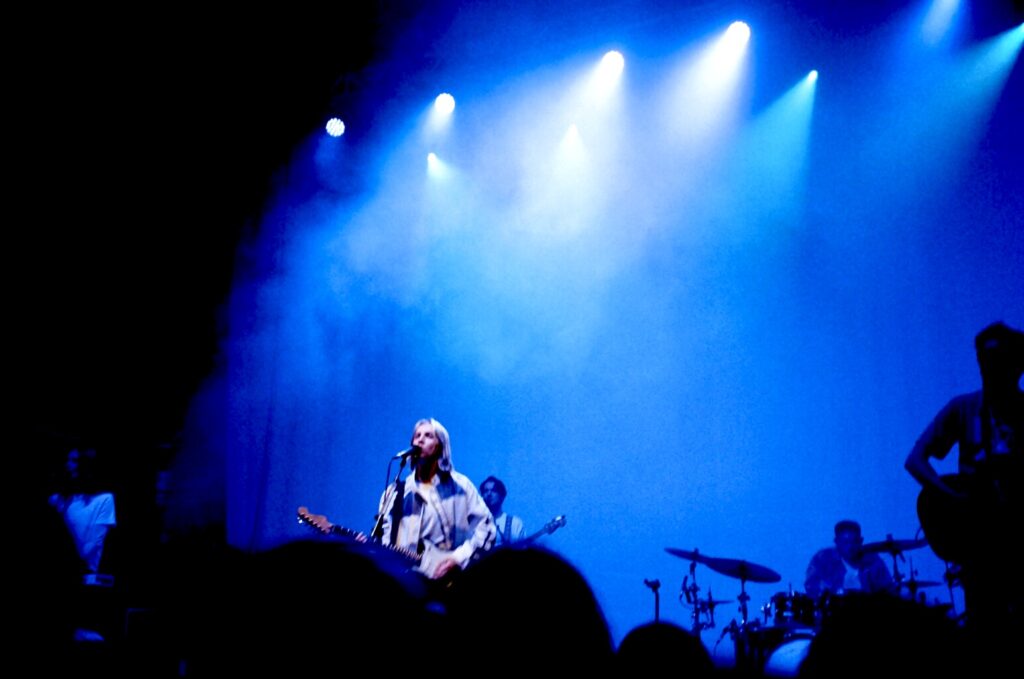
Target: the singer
(439, 514)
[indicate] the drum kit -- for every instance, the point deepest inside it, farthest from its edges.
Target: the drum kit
(778, 642)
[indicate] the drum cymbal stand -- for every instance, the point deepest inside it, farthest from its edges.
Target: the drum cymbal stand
(689, 595)
(745, 635)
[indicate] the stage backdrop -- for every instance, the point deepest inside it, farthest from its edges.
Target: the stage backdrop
(689, 313)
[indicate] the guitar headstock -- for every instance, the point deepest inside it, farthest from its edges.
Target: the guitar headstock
(317, 521)
(547, 529)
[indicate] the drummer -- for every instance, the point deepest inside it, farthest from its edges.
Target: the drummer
(846, 567)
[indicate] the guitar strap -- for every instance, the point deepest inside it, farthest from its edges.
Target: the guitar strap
(396, 509)
(507, 537)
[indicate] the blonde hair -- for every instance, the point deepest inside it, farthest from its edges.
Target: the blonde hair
(444, 462)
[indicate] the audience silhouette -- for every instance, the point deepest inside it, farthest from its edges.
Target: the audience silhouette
(882, 634)
(533, 605)
(663, 648)
(307, 608)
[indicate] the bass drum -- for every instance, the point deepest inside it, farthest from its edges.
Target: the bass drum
(784, 660)
(792, 609)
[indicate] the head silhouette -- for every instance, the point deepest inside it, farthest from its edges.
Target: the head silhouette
(535, 602)
(655, 646)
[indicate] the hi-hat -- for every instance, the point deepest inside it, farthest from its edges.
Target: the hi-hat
(894, 547)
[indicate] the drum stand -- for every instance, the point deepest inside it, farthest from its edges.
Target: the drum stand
(750, 647)
(689, 595)
(654, 586)
(749, 652)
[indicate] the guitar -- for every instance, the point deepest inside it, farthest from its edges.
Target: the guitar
(425, 563)
(959, 528)
(549, 528)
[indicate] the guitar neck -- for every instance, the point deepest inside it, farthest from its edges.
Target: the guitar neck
(321, 523)
(549, 528)
(530, 538)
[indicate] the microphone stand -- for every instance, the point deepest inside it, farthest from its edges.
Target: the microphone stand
(654, 585)
(392, 487)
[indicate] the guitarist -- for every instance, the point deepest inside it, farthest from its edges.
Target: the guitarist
(510, 528)
(436, 511)
(972, 518)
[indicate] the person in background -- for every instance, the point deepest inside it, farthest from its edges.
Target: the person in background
(510, 527)
(846, 567)
(88, 515)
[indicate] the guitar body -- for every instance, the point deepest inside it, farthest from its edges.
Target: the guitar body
(964, 529)
(947, 520)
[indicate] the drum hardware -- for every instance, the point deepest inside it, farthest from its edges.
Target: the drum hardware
(736, 568)
(746, 634)
(689, 595)
(895, 548)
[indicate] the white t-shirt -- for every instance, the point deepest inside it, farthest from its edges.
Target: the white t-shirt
(89, 518)
(851, 581)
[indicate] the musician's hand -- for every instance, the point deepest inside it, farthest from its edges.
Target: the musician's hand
(445, 566)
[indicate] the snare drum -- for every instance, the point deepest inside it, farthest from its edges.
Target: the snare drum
(790, 609)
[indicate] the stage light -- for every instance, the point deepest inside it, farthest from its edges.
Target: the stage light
(603, 80)
(611, 66)
(335, 127)
(701, 101)
(939, 20)
(444, 103)
(738, 34)
(812, 76)
(726, 55)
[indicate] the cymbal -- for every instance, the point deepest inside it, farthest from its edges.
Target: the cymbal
(894, 547)
(690, 556)
(744, 570)
(737, 568)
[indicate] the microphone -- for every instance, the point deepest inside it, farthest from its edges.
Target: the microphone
(412, 450)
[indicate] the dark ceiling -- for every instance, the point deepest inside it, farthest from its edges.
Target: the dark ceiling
(150, 143)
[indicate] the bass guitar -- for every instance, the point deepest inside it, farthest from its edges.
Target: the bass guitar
(549, 528)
